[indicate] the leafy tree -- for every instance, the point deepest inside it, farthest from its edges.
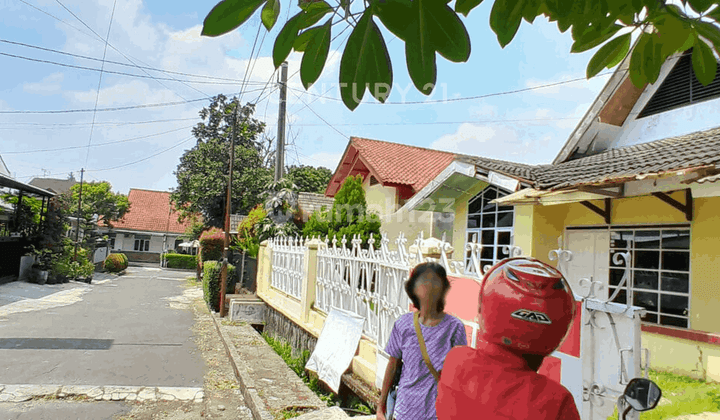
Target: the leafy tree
(100, 205)
(196, 228)
(203, 170)
(431, 27)
(309, 179)
(348, 216)
(27, 217)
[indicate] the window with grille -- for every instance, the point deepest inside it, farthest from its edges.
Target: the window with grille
(142, 245)
(491, 224)
(660, 273)
(680, 88)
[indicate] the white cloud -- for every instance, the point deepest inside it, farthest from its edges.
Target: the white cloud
(328, 160)
(49, 85)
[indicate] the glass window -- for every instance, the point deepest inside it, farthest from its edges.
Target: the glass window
(492, 224)
(659, 274)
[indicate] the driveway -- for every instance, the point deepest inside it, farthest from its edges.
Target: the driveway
(132, 330)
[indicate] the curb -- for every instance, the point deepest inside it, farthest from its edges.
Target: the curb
(247, 385)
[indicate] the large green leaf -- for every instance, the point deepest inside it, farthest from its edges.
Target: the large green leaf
(675, 32)
(704, 63)
(304, 38)
(592, 38)
(609, 55)
(228, 15)
(419, 48)
(710, 32)
(700, 5)
(316, 53)
(447, 33)
(365, 63)
(637, 70)
(533, 9)
(270, 13)
(313, 12)
(395, 15)
(505, 19)
(285, 39)
(465, 6)
(653, 58)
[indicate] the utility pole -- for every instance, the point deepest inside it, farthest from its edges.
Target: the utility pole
(280, 150)
(77, 220)
(226, 248)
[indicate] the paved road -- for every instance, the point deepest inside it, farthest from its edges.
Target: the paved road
(132, 330)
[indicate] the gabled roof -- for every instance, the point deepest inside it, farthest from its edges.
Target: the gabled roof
(391, 164)
(58, 186)
(692, 151)
(151, 211)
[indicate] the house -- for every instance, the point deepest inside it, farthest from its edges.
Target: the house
(55, 185)
(392, 174)
(149, 228)
(638, 176)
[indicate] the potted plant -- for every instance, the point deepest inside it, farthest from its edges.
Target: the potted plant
(42, 265)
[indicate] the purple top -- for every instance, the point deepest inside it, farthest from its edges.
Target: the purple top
(417, 390)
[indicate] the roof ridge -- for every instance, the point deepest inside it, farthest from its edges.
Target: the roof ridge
(353, 138)
(149, 190)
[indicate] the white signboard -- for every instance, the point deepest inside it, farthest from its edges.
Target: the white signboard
(336, 346)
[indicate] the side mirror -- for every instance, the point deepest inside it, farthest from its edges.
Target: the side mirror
(642, 394)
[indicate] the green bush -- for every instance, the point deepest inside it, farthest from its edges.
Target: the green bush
(248, 237)
(183, 261)
(115, 263)
(65, 264)
(211, 282)
(212, 242)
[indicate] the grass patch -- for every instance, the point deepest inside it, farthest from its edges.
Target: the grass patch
(191, 281)
(297, 364)
(681, 396)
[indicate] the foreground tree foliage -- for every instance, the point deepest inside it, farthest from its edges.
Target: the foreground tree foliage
(431, 27)
(203, 170)
(100, 205)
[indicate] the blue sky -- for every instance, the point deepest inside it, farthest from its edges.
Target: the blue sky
(527, 127)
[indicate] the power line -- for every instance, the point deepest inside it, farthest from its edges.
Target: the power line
(97, 95)
(466, 98)
(530, 120)
(318, 115)
(57, 149)
(145, 158)
(54, 126)
(84, 57)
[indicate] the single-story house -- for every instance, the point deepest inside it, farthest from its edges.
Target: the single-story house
(148, 229)
(55, 185)
(638, 175)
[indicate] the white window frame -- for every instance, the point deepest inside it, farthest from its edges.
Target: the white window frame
(469, 232)
(141, 242)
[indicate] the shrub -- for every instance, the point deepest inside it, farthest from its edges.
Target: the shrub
(180, 261)
(212, 242)
(115, 263)
(248, 237)
(66, 266)
(211, 282)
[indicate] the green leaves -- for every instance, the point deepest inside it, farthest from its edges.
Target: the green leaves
(593, 37)
(396, 15)
(704, 63)
(288, 36)
(700, 5)
(315, 55)
(228, 15)
(365, 64)
(465, 6)
(609, 55)
(505, 19)
(270, 13)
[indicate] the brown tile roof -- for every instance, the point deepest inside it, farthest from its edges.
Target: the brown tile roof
(693, 150)
(516, 170)
(150, 211)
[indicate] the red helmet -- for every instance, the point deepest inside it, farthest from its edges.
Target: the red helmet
(526, 305)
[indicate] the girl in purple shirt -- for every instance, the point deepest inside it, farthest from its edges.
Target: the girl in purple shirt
(427, 287)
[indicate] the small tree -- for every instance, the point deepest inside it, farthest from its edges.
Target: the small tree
(100, 205)
(348, 216)
(194, 230)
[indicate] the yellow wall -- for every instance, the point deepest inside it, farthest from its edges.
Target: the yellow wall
(537, 228)
(460, 222)
(380, 200)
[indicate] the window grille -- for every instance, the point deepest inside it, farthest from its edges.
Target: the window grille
(493, 226)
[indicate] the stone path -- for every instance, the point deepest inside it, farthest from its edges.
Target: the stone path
(21, 393)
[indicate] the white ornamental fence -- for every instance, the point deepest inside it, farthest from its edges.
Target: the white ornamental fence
(288, 265)
(370, 281)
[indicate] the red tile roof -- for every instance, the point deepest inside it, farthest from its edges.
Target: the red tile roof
(150, 211)
(390, 163)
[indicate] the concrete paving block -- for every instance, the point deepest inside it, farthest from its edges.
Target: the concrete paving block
(131, 397)
(332, 413)
(147, 394)
(179, 393)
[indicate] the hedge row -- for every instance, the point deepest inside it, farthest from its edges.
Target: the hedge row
(212, 243)
(181, 261)
(211, 283)
(116, 263)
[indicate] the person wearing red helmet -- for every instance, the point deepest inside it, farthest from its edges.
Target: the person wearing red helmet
(526, 309)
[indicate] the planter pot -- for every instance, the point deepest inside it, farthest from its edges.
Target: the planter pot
(40, 276)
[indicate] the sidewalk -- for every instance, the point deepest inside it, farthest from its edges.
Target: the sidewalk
(269, 386)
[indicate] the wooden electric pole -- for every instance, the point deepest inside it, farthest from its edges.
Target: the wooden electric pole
(226, 248)
(280, 151)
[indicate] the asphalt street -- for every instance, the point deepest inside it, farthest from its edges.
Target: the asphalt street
(132, 330)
